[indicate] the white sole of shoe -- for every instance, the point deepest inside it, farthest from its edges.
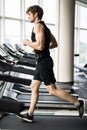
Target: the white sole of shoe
(25, 119)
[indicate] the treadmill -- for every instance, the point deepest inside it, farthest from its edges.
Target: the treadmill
(45, 99)
(12, 57)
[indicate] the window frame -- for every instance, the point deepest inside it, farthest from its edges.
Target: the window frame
(77, 41)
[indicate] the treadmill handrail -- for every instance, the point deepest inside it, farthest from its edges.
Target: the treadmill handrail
(26, 54)
(19, 60)
(13, 79)
(8, 67)
(80, 68)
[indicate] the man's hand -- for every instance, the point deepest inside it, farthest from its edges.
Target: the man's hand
(26, 42)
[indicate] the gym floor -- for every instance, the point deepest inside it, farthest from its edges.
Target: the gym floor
(11, 122)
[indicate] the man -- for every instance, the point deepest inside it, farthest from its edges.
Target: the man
(42, 41)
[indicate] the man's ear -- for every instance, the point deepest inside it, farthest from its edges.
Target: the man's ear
(36, 14)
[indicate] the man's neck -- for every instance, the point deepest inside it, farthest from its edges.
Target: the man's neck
(37, 21)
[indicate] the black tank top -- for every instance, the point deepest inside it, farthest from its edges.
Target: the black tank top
(45, 52)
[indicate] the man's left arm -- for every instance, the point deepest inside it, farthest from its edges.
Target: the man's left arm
(53, 42)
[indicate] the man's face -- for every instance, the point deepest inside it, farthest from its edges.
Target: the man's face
(31, 17)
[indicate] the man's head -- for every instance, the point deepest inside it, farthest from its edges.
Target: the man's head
(35, 9)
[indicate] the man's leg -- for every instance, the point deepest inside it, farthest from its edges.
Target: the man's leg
(35, 94)
(34, 98)
(61, 93)
(66, 96)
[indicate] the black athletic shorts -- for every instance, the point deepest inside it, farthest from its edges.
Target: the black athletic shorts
(45, 72)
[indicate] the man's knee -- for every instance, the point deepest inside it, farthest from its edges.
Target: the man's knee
(34, 89)
(51, 90)
(35, 86)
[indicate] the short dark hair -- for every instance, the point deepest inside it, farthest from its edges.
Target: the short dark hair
(35, 8)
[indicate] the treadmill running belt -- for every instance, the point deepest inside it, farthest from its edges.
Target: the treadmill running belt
(11, 122)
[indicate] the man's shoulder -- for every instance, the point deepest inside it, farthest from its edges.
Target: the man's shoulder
(39, 26)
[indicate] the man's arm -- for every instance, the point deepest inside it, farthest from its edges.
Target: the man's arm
(40, 38)
(53, 42)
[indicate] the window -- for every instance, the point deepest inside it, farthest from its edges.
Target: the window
(0, 7)
(30, 3)
(83, 47)
(12, 8)
(12, 31)
(0, 30)
(81, 34)
(83, 17)
(28, 27)
(14, 22)
(49, 11)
